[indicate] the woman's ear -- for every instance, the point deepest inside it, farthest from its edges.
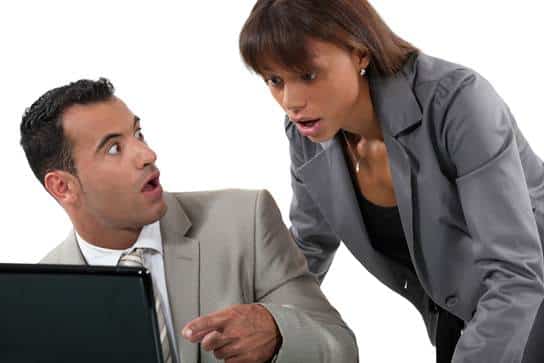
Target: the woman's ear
(63, 186)
(361, 58)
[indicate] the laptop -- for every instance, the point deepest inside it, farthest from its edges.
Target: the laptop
(64, 313)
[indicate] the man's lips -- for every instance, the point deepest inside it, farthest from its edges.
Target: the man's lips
(152, 182)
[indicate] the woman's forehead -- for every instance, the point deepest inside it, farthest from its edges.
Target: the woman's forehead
(317, 54)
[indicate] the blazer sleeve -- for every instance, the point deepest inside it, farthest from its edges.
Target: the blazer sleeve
(478, 136)
(312, 330)
(309, 228)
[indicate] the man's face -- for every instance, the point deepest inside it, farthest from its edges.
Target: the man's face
(118, 181)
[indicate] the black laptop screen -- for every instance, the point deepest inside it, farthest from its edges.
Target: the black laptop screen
(64, 314)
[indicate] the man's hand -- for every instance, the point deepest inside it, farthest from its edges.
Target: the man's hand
(239, 334)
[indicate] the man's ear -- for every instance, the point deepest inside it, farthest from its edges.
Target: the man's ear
(63, 186)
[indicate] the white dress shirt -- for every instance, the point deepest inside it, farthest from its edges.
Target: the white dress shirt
(150, 239)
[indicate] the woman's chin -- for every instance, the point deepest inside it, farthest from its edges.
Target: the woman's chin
(322, 137)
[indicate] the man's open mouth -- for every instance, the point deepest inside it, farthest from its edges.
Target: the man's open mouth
(151, 184)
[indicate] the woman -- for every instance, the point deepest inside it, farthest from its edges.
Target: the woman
(415, 163)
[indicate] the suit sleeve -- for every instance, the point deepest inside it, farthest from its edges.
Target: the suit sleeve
(312, 330)
(480, 141)
(309, 228)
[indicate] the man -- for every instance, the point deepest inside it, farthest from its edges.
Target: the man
(226, 271)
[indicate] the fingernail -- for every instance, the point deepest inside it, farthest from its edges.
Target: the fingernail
(187, 332)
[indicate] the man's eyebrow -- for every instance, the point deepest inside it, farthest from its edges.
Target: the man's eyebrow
(105, 140)
(108, 137)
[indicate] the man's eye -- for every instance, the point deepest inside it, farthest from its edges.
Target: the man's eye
(274, 81)
(309, 76)
(139, 135)
(114, 149)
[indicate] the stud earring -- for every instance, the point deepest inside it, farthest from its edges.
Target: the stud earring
(362, 72)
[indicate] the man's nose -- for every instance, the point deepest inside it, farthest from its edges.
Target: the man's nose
(144, 155)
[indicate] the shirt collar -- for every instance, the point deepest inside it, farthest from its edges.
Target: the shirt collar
(149, 238)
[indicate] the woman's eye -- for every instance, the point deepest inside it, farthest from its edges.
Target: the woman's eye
(309, 76)
(274, 81)
(114, 149)
(139, 135)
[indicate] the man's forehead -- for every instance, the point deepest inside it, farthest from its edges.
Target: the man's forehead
(96, 111)
(97, 116)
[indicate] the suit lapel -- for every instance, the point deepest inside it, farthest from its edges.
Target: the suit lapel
(182, 269)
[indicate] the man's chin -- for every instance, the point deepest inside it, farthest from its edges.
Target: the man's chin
(163, 210)
(160, 209)
(154, 213)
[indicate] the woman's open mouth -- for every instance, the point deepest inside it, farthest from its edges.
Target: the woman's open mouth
(309, 127)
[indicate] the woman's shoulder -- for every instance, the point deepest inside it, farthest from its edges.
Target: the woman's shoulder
(423, 68)
(440, 80)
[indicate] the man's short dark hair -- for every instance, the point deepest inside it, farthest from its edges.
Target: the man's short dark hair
(42, 135)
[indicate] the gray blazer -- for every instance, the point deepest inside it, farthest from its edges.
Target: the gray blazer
(470, 193)
(231, 247)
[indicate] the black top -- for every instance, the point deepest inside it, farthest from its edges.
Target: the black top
(384, 227)
(384, 230)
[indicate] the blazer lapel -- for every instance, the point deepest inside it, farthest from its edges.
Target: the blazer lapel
(328, 181)
(399, 113)
(402, 180)
(182, 269)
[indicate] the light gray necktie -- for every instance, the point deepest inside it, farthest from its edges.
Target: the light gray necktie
(136, 259)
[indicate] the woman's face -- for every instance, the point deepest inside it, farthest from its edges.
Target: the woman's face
(321, 101)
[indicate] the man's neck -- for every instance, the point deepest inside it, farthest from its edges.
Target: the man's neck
(104, 237)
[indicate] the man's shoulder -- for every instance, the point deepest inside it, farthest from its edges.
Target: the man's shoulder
(67, 252)
(223, 212)
(214, 196)
(231, 202)
(52, 256)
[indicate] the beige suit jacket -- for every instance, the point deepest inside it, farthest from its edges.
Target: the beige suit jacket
(231, 247)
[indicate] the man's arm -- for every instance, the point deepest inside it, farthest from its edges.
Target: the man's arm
(291, 321)
(312, 330)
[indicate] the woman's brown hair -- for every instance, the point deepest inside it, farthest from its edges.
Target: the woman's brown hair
(276, 31)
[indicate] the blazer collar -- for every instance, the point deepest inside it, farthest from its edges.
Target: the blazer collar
(394, 101)
(70, 252)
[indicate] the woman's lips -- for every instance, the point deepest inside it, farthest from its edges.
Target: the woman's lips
(309, 127)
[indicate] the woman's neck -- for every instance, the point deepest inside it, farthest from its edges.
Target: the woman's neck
(362, 120)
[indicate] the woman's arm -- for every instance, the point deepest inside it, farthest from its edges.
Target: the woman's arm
(309, 228)
(478, 137)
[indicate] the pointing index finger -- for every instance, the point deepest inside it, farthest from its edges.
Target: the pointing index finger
(199, 327)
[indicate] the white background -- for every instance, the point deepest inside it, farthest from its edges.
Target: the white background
(212, 122)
